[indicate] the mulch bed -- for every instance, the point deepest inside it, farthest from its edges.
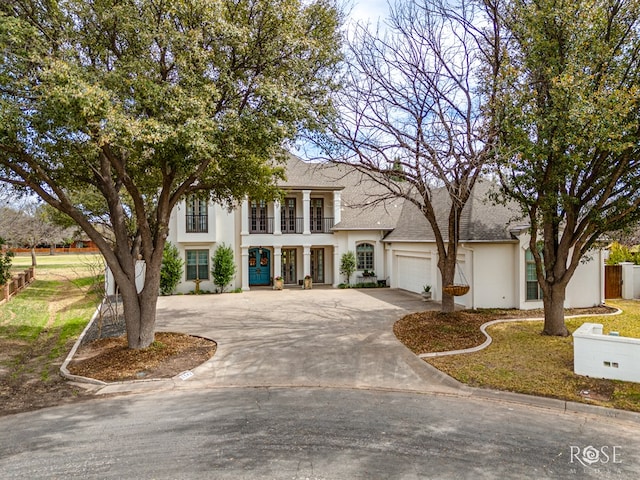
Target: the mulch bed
(433, 331)
(109, 359)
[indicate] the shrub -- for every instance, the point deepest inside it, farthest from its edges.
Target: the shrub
(620, 253)
(223, 266)
(171, 270)
(348, 264)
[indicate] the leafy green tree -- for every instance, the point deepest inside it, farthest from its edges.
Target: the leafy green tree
(619, 253)
(568, 110)
(171, 269)
(348, 264)
(223, 266)
(134, 104)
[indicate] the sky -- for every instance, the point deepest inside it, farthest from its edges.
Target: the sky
(370, 10)
(364, 11)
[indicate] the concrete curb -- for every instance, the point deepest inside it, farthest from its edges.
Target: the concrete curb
(64, 371)
(563, 406)
(487, 342)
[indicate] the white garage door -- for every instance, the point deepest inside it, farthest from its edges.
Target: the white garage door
(413, 273)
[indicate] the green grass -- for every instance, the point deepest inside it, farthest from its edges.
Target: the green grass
(39, 325)
(66, 266)
(522, 360)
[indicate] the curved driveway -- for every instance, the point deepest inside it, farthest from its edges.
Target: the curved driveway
(326, 338)
(295, 337)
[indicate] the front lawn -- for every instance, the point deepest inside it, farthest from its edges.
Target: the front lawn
(520, 359)
(37, 328)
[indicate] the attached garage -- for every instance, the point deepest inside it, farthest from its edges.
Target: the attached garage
(413, 272)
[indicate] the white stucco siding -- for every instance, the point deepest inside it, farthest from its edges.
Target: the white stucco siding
(586, 287)
(348, 241)
(490, 270)
(188, 286)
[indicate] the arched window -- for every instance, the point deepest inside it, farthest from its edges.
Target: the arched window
(364, 256)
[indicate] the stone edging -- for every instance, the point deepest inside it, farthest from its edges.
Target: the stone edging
(64, 371)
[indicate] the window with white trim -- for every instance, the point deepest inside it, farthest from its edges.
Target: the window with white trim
(364, 256)
(197, 264)
(534, 292)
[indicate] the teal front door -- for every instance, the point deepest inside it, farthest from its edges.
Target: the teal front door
(259, 266)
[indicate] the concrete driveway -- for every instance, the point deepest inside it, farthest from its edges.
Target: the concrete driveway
(295, 337)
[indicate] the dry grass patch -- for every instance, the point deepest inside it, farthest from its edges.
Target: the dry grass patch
(520, 359)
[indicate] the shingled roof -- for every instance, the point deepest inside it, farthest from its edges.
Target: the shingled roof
(481, 219)
(365, 206)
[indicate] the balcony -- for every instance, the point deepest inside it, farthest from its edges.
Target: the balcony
(290, 225)
(321, 224)
(197, 223)
(261, 225)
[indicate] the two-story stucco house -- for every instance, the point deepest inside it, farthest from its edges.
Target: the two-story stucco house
(328, 210)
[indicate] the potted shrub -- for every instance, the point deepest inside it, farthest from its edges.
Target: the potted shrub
(308, 283)
(278, 283)
(426, 293)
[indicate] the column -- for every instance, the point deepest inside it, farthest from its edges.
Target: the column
(277, 224)
(306, 213)
(245, 268)
(245, 217)
(336, 266)
(627, 280)
(337, 207)
(277, 261)
(306, 259)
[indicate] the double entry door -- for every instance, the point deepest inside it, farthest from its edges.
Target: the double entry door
(289, 265)
(259, 266)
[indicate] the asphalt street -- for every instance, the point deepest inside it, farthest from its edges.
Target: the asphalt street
(305, 433)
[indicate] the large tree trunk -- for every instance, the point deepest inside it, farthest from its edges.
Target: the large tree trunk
(34, 261)
(447, 267)
(554, 296)
(140, 310)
